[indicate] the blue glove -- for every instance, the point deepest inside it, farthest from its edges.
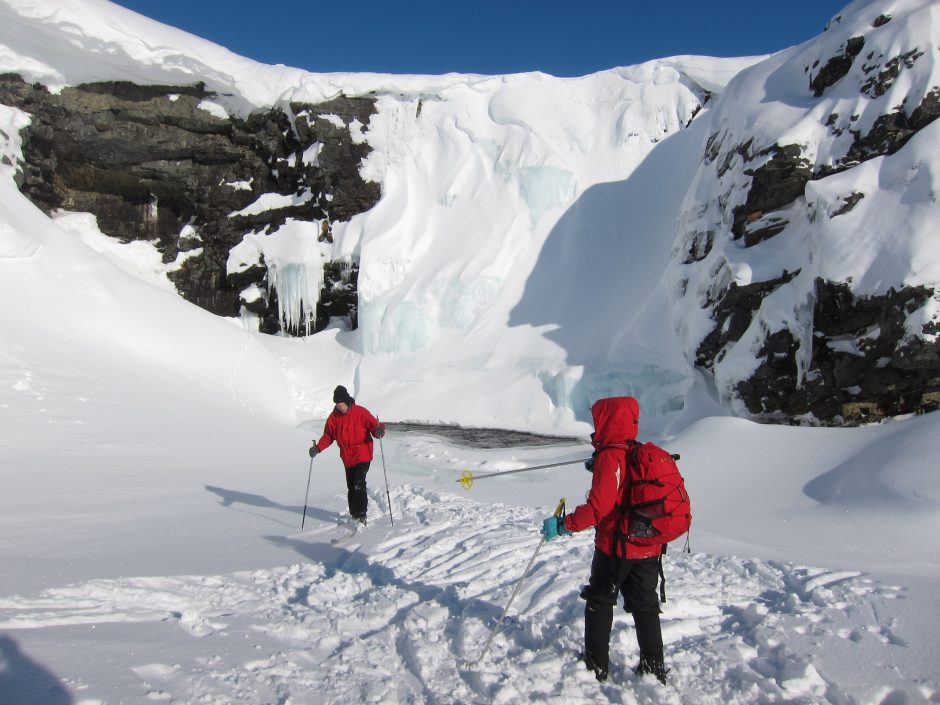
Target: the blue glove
(553, 527)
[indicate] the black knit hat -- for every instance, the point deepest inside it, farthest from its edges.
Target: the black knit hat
(341, 395)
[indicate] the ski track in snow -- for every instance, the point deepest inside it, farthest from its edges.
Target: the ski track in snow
(414, 603)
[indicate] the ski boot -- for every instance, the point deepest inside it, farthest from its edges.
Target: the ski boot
(599, 673)
(654, 666)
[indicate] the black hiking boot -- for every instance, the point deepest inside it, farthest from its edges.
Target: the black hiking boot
(599, 673)
(654, 666)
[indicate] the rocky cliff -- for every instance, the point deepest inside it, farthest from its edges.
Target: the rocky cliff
(779, 214)
(167, 165)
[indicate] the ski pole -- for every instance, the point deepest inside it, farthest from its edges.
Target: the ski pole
(467, 479)
(309, 473)
(385, 472)
(559, 510)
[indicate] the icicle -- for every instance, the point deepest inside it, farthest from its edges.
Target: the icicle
(296, 298)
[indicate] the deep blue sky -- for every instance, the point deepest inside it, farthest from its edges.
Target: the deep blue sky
(488, 36)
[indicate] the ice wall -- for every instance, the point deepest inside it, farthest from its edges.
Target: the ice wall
(514, 239)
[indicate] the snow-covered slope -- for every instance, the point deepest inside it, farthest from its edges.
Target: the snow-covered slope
(153, 470)
(65, 299)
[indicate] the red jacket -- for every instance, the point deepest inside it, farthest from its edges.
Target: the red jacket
(352, 432)
(615, 422)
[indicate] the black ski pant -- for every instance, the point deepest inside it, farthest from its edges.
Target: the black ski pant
(356, 490)
(636, 581)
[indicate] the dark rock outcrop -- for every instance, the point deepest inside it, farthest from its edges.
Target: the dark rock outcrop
(163, 164)
(836, 67)
(774, 185)
(338, 296)
(863, 367)
(733, 315)
(887, 136)
(868, 359)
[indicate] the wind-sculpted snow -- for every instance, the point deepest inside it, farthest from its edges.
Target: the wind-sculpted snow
(400, 614)
(511, 229)
(63, 292)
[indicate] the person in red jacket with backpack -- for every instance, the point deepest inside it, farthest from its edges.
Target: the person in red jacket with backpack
(618, 566)
(353, 428)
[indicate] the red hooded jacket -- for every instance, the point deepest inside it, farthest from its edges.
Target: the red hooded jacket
(615, 422)
(352, 432)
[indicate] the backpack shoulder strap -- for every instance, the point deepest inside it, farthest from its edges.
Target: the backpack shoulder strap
(630, 446)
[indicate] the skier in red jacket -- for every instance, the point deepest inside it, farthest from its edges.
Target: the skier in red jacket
(353, 428)
(634, 575)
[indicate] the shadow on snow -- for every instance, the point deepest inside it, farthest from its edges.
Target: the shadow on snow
(229, 498)
(26, 682)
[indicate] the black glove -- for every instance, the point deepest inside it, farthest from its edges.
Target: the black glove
(313, 451)
(379, 431)
(589, 463)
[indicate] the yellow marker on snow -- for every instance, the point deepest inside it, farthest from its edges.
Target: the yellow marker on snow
(467, 478)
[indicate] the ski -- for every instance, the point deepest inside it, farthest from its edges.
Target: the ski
(340, 540)
(349, 531)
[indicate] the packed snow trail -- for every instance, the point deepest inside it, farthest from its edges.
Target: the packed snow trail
(393, 616)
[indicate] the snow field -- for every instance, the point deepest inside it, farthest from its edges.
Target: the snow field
(396, 615)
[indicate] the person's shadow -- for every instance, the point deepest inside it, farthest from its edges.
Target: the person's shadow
(229, 498)
(25, 682)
